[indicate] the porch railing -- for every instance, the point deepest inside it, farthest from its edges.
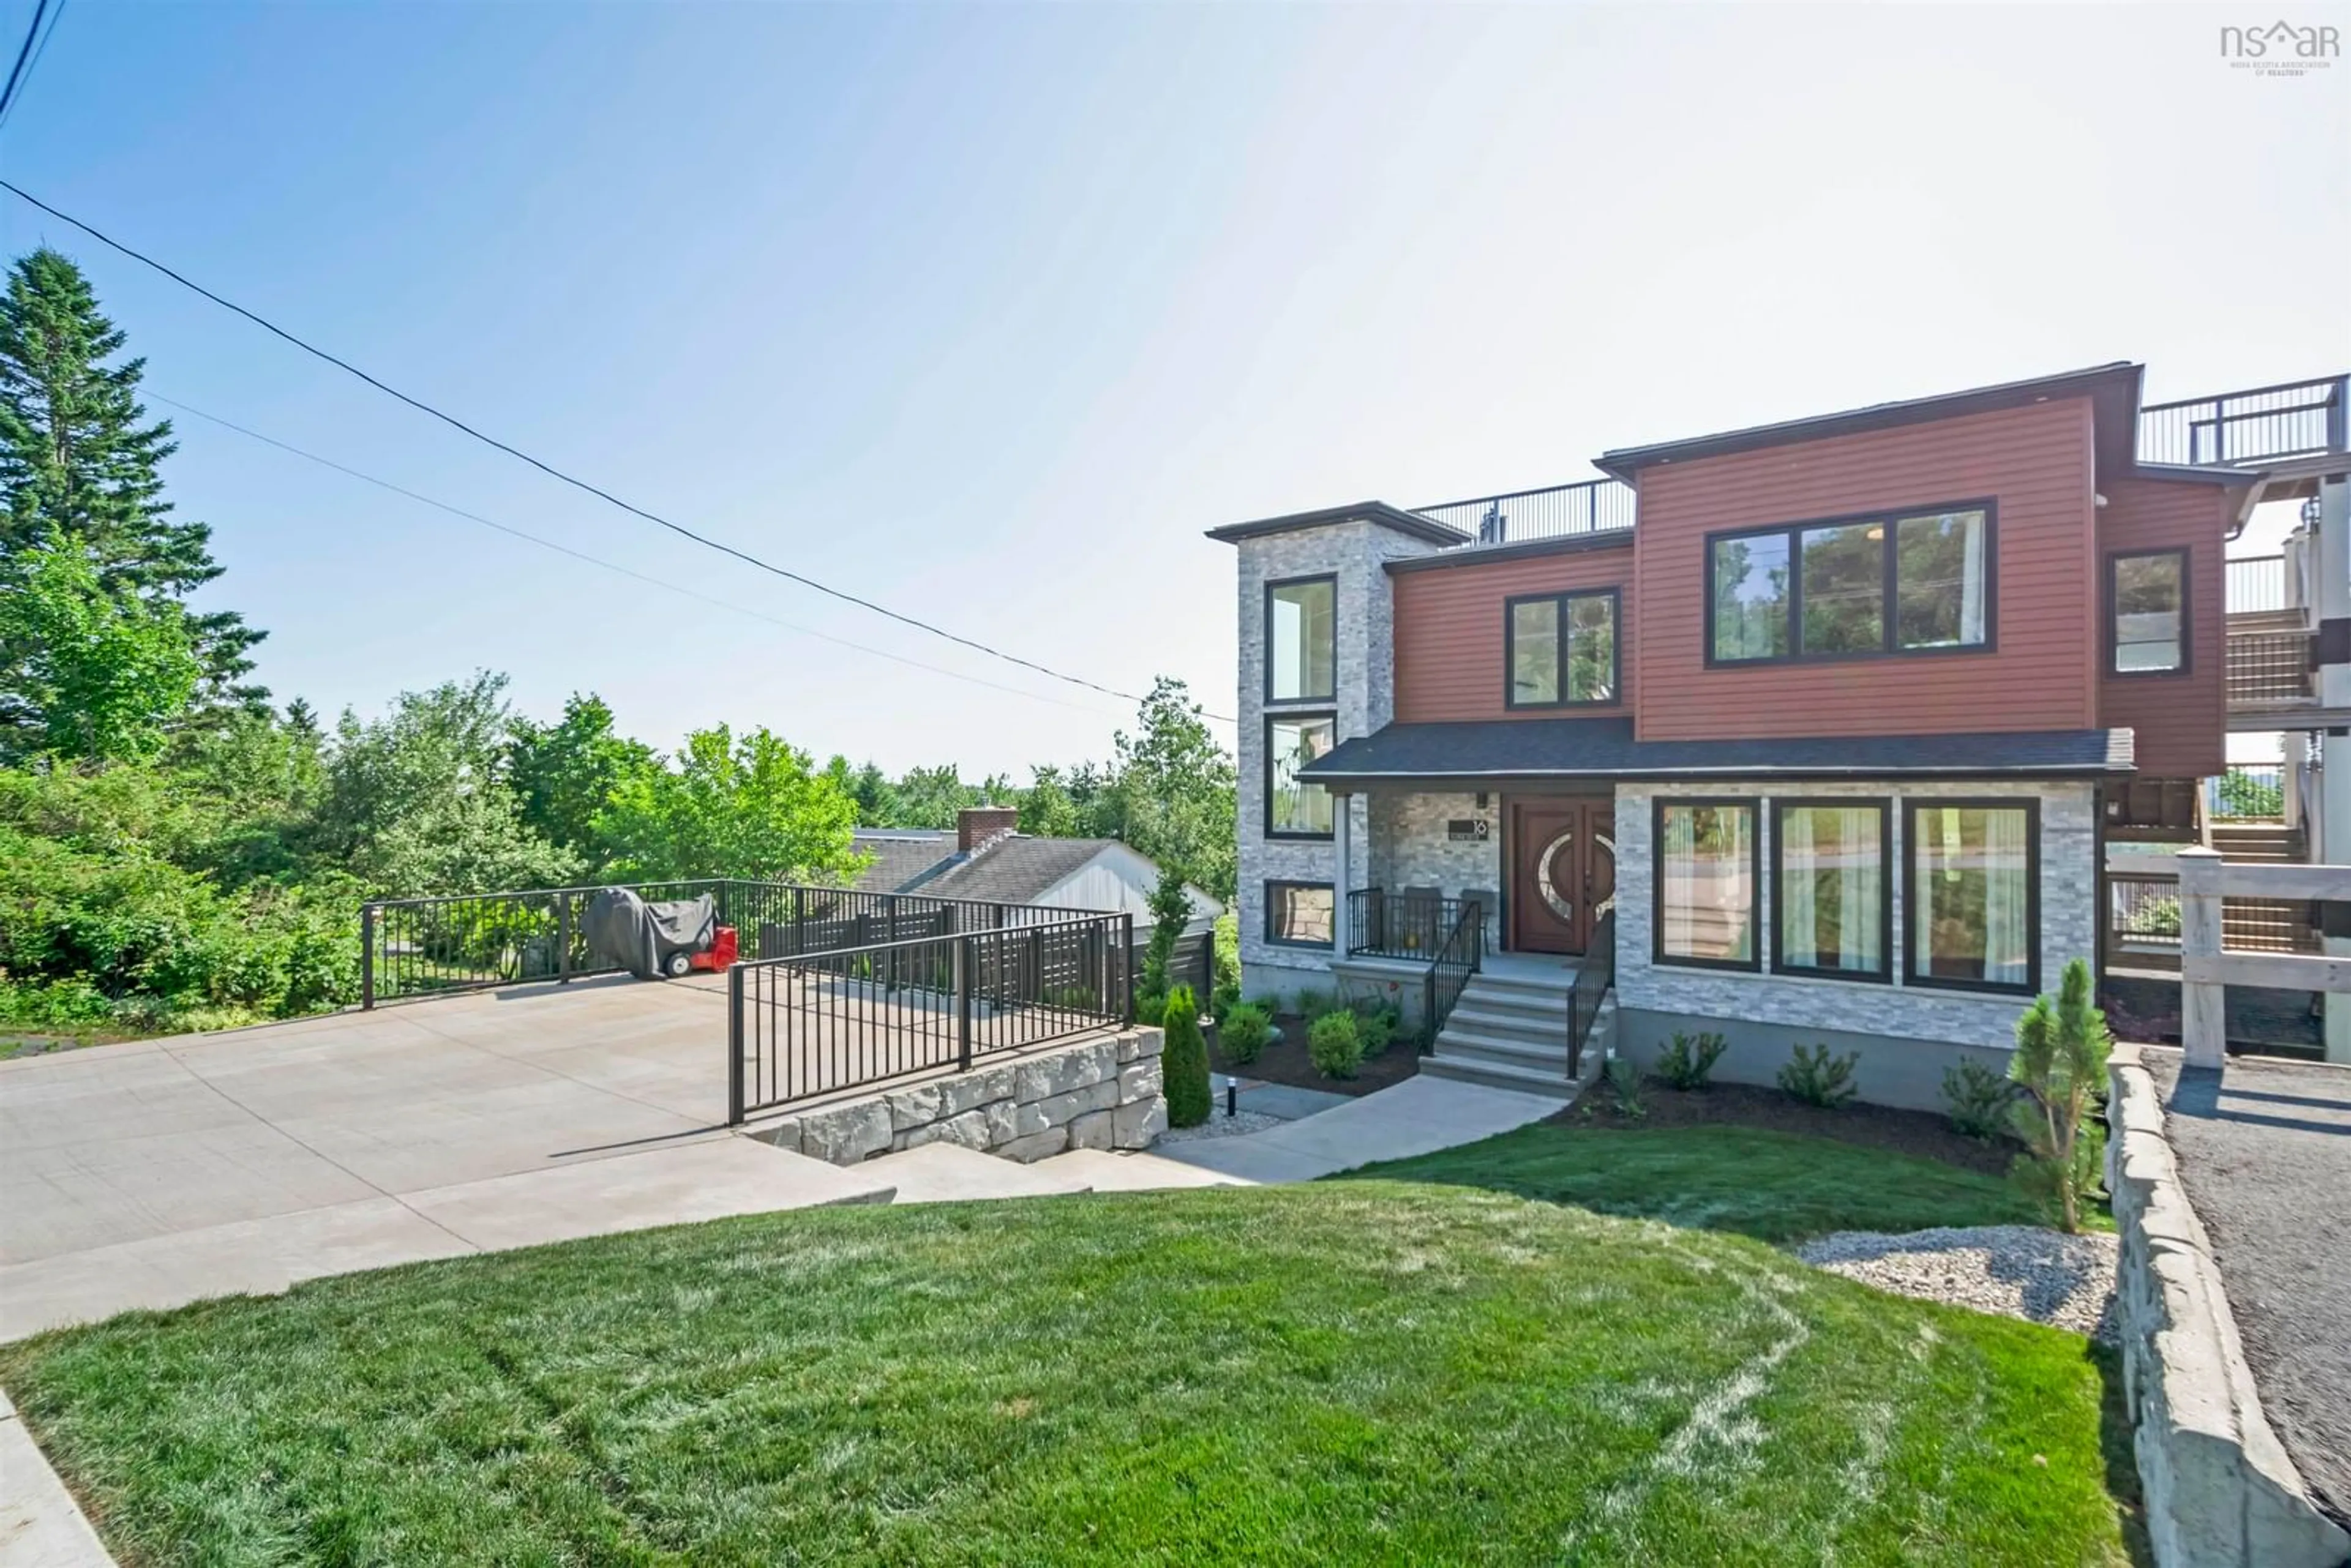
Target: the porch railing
(1400, 925)
(1587, 506)
(1457, 960)
(812, 1023)
(1595, 977)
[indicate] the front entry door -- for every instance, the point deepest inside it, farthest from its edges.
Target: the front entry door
(1562, 871)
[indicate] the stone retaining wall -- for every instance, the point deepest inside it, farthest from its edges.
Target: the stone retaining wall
(1100, 1093)
(2221, 1491)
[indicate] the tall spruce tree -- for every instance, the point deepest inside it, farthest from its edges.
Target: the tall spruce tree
(79, 466)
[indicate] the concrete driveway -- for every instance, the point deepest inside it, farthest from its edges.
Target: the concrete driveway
(151, 1174)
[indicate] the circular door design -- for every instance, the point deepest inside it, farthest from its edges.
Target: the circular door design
(1555, 869)
(1603, 874)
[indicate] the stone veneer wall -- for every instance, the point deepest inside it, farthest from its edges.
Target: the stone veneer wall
(1944, 1025)
(1365, 688)
(1101, 1093)
(1409, 849)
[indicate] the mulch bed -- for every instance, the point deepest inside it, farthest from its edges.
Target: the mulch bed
(1285, 1061)
(1922, 1133)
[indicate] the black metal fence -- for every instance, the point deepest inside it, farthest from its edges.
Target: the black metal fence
(465, 941)
(1595, 977)
(2292, 419)
(815, 1022)
(1592, 506)
(1457, 959)
(1404, 923)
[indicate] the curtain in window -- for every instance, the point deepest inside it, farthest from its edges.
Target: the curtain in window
(1707, 885)
(1973, 866)
(2006, 936)
(1971, 580)
(1832, 882)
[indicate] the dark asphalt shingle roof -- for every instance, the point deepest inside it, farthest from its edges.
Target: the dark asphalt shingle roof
(899, 857)
(1604, 748)
(1012, 871)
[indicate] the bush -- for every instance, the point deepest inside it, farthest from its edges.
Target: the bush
(1312, 1004)
(1977, 1100)
(1223, 1000)
(1376, 1026)
(1246, 1031)
(2060, 1062)
(1184, 1062)
(1688, 1061)
(1335, 1045)
(1819, 1078)
(1625, 1080)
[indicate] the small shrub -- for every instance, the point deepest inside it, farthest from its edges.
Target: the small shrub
(1376, 1026)
(1625, 1080)
(1184, 1062)
(2060, 1062)
(1819, 1078)
(1977, 1100)
(1223, 1000)
(1246, 1031)
(1690, 1059)
(1312, 1004)
(1335, 1045)
(1150, 1009)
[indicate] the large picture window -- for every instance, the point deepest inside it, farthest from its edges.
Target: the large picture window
(1971, 915)
(1297, 914)
(1295, 809)
(1831, 894)
(1846, 587)
(1563, 649)
(2147, 598)
(1706, 866)
(1301, 639)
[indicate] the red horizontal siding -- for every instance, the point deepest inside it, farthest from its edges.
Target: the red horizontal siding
(1448, 631)
(2035, 461)
(2181, 721)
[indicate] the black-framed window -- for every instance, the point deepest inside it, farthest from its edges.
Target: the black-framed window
(1293, 808)
(1297, 914)
(1301, 639)
(1707, 867)
(2147, 612)
(1912, 580)
(1831, 888)
(1563, 650)
(1971, 897)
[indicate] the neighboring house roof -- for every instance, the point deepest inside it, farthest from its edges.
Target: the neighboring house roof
(1409, 522)
(900, 856)
(1604, 748)
(1014, 871)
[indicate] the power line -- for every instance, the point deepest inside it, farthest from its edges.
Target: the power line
(22, 71)
(549, 469)
(288, 446)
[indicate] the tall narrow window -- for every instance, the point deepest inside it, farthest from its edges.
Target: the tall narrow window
(1705, 864)
(1561, 649)
(1295, 808)
(1843, 588)
(1750, 597)
(1297, 914)
(1301, 639)
(2149, 597)
(1830, 895)
(1941, 586)
(1973, 911)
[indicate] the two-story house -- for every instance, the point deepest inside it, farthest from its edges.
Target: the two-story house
(1807, 733)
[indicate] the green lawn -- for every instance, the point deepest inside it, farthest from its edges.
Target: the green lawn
(1774, 1187)
(1359, 1372)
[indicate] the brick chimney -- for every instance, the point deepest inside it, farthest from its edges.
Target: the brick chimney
(977, 827)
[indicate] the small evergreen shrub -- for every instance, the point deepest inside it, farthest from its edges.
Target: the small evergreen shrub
(1246, 1031)
(1819, 1078)
(1625, 1081)
(1689, 1059)
(1223, 1000)
(1977, 1100)
(1376, 1026)
(1184, 1062)
(1150, 1009)
(2060, 1062)
(1335, 1045)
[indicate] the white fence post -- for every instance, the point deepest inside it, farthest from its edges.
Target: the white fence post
(2203, 1022)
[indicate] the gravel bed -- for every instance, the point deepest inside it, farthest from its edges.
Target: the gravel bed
(1221, 1125)
(2019, 1271)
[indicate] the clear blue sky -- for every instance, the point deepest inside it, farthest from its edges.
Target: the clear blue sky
(987, 312)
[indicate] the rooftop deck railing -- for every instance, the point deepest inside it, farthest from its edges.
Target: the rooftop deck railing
(1588, 507)
(2257, 584)
(2259, 425)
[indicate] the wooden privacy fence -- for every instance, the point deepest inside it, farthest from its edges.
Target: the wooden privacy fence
(2206, 968)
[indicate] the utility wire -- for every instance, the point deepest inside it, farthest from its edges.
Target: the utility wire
(555, 473)
(22, 72)
(288, 446)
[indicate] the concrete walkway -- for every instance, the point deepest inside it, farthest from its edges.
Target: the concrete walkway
(1417, 1116)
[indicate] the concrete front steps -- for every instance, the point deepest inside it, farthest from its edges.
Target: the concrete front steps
(1510, 1031)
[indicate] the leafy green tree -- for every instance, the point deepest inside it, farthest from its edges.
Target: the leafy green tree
(750, 808)
(2061, 1062)
(1173, 792)
(567, 772)
(1047, 809)
(254, 781)
(1171, 911)
(87, 673)
(79, 463)
(1184, 1062)
(930, 798)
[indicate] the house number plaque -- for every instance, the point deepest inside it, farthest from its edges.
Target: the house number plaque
(1467, 831)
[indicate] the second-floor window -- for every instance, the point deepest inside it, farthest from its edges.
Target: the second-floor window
(1301, 640)
(2148, 601)
(1295, 809)
(1561, 649)
(1900, 582)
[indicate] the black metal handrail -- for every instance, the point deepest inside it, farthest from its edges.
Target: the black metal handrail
(1595, 977)
(2258, 424)
(1587, 506)
(1404, 925)
(1457, 960)
(810, 1024)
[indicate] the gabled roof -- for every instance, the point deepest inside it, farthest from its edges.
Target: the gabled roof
(1017, 870)
(1412, 524)
(1536, 748)
(2112, 388)
(900, 855)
